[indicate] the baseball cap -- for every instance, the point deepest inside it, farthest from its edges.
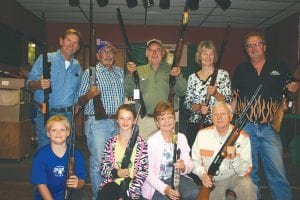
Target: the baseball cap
(102, 45)
(154, 41)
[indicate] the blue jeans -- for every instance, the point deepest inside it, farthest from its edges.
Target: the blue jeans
(266, 146)
(97, 133)
(43, 139)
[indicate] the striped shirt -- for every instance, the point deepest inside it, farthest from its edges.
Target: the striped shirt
(111, 87)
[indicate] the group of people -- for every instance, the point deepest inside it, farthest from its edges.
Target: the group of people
(150, 174)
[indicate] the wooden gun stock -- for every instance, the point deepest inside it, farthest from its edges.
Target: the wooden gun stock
(71, 157)
(71, 167)
(204, 193)
(278, 118)
(99, 110)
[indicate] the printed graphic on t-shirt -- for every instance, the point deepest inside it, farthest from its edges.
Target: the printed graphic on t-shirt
(59, 171)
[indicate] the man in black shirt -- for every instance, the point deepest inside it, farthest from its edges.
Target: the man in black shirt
(265, 142)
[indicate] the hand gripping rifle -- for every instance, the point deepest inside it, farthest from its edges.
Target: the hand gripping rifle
(139, 99)
(99, 110)
(215, 73)
(46, 73)
(214, 166)
(178, 51)
(127, 156)
(71, 157)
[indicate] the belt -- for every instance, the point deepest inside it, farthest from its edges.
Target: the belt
(61, 110)
(108, 116)
(112, 116)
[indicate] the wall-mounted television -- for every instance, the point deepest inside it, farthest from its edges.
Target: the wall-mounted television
(11, 46)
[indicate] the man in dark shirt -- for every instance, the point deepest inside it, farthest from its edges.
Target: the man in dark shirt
(265, 142)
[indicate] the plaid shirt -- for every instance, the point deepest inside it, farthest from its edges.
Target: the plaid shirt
(110, 85)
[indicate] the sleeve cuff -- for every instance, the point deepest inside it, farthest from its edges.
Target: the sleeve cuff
(114, 173)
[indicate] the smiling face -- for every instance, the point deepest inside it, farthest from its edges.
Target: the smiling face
(155, 54)
(69, 45)
(221, 116)
(106, 56)
(58, 132)
(207, 57)
(255, 47)
(125, 120)
(166, 121)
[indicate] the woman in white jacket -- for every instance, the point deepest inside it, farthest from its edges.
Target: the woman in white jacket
(160, 155)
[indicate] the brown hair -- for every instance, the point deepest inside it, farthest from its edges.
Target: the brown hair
(162, 107)
(58, 118)
(70, 32)
(127, 107)
(252, 34)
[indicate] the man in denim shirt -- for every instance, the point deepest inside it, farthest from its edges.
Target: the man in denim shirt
(65, 78)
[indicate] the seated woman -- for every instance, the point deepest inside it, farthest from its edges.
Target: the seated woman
(114, 185)
(158, 184)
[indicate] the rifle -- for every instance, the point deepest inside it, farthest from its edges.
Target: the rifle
(100, 112)
(214, 166)
(215, 73)
(286, 103)
(127, 155)
(176, 156)
(71, 157)
(221, 52)
(139, 98)
(46, 73)
(178, 51)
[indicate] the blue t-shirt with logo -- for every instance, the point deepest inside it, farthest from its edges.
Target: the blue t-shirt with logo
(51, 170)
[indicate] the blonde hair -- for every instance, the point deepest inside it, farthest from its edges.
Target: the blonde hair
(58, 118)
(206, 44)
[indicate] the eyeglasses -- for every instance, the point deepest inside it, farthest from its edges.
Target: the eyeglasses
(107, 52)
(154, 50)
(254, 45)
(222, 115)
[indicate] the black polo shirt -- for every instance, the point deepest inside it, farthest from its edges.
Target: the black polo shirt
(272, 77)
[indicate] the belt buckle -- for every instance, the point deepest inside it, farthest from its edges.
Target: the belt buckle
(256, 123)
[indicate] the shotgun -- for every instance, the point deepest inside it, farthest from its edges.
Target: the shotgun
(71, 157)
(127, 155)
(100, 112)
(139, 100)
(286, 103)
(46, 73)
(214, 166)
(178, 52)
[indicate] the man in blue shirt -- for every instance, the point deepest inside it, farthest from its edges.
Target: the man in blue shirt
(64, 82)
(109, 83)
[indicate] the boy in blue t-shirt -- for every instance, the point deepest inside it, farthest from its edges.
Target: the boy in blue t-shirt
(49, 165)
